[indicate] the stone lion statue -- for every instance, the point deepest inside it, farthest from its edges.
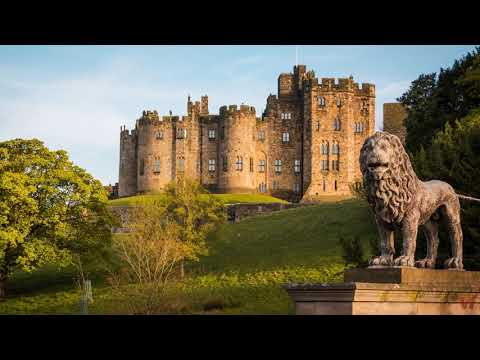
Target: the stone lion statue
(400, 200)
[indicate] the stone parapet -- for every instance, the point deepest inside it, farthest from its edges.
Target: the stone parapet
(391, 291)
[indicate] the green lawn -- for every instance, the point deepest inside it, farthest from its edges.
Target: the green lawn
(225, 198)
(245, 270)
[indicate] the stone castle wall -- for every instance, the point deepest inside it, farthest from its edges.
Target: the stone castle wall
(394, 115)
(236, 151)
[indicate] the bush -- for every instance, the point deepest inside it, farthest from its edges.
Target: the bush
(352, 252)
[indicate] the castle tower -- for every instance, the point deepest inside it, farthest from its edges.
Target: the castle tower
(127, 178)
(155, 151)
(236, 171)
(394, 115)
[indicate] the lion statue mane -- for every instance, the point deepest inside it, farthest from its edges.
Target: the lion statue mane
(399, 199)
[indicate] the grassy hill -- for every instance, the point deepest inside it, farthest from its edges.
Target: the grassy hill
(225, 198)
(244, 272)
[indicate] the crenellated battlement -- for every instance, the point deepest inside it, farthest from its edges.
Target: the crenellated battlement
(346, 84)
(234, 110)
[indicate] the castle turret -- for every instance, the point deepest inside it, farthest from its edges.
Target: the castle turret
(237, 149)
(127, 178)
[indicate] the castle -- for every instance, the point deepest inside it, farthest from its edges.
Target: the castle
(306, 143)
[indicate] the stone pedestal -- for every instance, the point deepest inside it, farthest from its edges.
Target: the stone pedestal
(391, 291)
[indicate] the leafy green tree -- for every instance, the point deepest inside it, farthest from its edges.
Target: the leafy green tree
(51, 211)
(434, 100)
(198, 214)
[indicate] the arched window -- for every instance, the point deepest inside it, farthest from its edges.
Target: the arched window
(336, 124)
(286, 137)
(211, 134)
(321, 101)
(335, 148)
(335, 185)
(160, 135)
(339, 102)
(325, 148)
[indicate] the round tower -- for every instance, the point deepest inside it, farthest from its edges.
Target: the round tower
(154, 149)
(237, 151)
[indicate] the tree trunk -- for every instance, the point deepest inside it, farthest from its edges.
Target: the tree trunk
(3, 287)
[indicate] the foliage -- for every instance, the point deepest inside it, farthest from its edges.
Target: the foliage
(453, 157)
(352, 252)
(247, 266)
(151, 252)
(195, 215)
(50, 209)
(433, 101)
(443, 139)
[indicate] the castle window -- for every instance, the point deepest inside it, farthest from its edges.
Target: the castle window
(335, 185)
(296, 188)
(278, 166)
(251, 164)
(359, 127)
(222, 133)
(325, 148)
(261, 135)
(181, 133)
(321, 101)
(335, 165)
(239, 163)
(181, 164)
(261, 166)
(336, 124)
(318, 125)
(211, 134)
(286, 116)
(160, 135)
(339, 102)
(263, 187)
(324, 185)
(286, 137)
(324, 165)
(142, 167)
(275, 185)
(225, 163)
(211, 165)
(297, 166)
(335, 149)
(364, 105)
(156, 166)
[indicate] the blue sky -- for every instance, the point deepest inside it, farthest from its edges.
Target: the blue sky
(77, 97)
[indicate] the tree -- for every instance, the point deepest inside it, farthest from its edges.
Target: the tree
(50, 209)
(196, 212)
(151, 251)
(434, 100)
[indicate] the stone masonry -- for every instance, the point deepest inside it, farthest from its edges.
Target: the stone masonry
(394, 115)
(305, 144)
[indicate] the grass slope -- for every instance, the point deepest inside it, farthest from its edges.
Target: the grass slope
(225, 198)
(244, 272)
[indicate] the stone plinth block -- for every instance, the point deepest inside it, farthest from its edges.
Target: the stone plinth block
(391, 291)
